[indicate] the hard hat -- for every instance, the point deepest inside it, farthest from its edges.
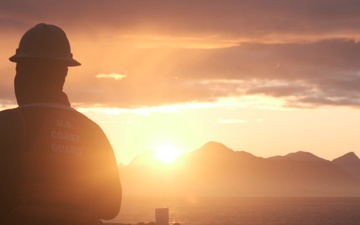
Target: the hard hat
(45, 41)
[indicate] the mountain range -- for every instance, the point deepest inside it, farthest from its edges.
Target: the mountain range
(216, 170)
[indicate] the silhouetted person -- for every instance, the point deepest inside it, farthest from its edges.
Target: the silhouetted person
(57, 167)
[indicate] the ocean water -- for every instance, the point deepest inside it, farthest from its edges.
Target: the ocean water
(243, 211)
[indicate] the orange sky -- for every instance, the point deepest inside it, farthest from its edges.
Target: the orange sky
(267, 78)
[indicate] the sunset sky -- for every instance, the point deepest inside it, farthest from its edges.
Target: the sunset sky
(267, 77)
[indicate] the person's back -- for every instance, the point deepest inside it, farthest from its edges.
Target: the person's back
(57, 166)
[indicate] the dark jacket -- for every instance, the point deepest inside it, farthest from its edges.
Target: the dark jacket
(56, 167)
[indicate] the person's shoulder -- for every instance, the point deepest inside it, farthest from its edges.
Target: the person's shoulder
(8, 113)
(10, 119)
(81, 117)
(85, 123)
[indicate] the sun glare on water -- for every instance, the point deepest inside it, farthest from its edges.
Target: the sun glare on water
(167, 153)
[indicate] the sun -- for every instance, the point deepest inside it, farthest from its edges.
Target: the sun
(166, 153)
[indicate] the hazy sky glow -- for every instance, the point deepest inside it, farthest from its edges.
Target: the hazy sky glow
(268, 77)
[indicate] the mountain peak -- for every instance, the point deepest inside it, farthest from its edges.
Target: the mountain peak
(303, 156)
(348, 157)
(349, 163)
(214, 149)
(213, 145)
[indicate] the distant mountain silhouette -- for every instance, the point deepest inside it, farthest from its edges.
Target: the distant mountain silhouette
(350, 163)
(216, 170)
(299, 156)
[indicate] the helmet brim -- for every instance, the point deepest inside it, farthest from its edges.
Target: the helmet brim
(23, 56)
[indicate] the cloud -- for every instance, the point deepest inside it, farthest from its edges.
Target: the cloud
(248, 20)
(305, 52)
(114, 76)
